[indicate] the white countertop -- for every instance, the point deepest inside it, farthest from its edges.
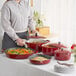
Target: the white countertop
(46, 70)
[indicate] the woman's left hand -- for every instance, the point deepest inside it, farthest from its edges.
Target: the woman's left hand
(20, 42)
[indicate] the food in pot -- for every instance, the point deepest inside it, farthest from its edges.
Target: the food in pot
(19, 51)
(39, 58)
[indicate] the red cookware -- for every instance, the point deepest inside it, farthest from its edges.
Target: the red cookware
(36, 36)
(37, 59)
(62, 55)
(37, 44)
(72, 47)
(49, 48)
(17, 55)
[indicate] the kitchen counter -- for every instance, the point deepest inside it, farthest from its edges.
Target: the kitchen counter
(12, 67)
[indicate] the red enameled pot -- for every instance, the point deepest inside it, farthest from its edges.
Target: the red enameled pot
(37, 46)
(50, 48)
(62, 55)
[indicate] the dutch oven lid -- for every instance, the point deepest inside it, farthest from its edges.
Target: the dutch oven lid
(62, 51)
(58, 45)
(39, 41)
(36, 36)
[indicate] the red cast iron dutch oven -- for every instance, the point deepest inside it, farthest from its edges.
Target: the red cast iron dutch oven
(40, 62)
(37, 44)
(18, 56)
(49, 48)
(62, 55)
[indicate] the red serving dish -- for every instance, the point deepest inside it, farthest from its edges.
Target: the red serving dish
(37, 44)
(49, 48)
(62, 55)
(39, 62)
(15, 56)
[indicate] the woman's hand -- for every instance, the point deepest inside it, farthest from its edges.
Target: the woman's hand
(20, 42)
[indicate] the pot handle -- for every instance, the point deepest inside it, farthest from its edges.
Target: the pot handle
(36, 52)
(47, 40)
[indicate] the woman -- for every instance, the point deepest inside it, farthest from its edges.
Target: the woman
(16, 17)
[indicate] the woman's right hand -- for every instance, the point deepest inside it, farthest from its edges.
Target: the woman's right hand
(20, 42)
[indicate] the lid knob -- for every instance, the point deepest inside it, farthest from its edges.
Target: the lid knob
(61, 49)
(59, 43)
(36, 34)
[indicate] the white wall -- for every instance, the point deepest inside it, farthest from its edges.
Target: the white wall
(61, 17)
(37, 5)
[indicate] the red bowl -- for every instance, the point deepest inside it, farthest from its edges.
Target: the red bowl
(62, 55)
(15, 56)
(40, 62)
(51, 50)
(36, 46)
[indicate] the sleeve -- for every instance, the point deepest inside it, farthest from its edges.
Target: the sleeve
(6, 23)
(31, 22)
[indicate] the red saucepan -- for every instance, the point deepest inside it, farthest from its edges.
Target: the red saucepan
(36, 44)
(49, 48)
(62, 55)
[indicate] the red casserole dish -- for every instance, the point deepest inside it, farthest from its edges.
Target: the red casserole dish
(62, 55)
(49, 48)
(37, 44)
(33, 59)
(19, 56)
